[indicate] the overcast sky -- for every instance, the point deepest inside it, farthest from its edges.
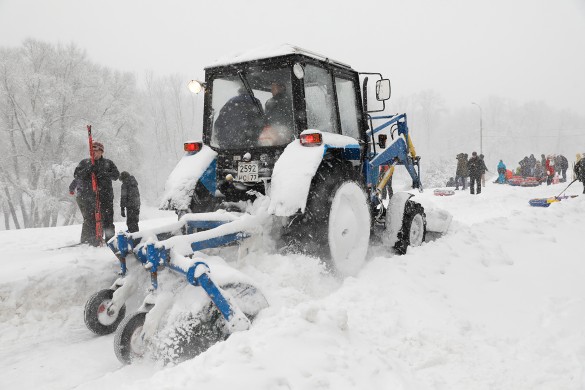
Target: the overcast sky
(465, 50)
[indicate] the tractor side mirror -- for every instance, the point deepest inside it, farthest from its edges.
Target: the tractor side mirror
(382, 140)
(383, 89)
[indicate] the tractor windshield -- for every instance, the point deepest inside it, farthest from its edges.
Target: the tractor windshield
(257, 114)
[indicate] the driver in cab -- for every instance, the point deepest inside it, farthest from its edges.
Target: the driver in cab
(240, 120)
(279, 116)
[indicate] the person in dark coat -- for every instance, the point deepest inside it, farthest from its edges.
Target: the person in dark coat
(579, 170)
(105, 171)
(531, 164)
(562, 164)
(240, 121)
(461, 171)
(474, 166)
(539, 172)
(130, 201)
(279, 123)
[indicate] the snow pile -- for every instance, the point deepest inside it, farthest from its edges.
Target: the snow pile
(496, 303)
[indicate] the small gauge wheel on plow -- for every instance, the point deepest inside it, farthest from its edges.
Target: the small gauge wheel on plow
(100, 316)
(128, 342)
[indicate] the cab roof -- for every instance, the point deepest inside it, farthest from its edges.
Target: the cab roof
(266, 52)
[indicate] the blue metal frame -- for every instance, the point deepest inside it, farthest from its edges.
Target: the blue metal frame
(154, 256)
(397, 151)
(218, 241)
(209, 177)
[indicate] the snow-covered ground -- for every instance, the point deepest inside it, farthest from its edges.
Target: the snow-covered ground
(496, 303)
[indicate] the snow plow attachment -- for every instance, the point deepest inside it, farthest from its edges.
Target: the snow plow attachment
(222, 304)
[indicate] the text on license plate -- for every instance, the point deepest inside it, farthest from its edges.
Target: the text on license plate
(248, 171)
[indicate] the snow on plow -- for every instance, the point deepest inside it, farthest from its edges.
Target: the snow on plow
(224, 301)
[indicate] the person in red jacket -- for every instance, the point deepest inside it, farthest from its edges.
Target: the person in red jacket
(550, 169)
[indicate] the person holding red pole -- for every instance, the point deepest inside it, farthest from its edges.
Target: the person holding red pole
(104, 171)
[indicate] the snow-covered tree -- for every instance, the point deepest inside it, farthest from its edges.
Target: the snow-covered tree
(48, 93)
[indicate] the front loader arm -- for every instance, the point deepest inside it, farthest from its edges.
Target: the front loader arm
(400, 152)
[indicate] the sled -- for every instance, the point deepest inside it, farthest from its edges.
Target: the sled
(545, 202)
(524, 181)
(443, 192)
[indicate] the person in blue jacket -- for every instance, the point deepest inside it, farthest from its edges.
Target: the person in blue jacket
(501, 172)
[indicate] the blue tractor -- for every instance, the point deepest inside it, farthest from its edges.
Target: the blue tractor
(298, 126)
(291, 137)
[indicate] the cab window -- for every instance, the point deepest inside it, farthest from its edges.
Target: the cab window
(319, 100)
(348, 111)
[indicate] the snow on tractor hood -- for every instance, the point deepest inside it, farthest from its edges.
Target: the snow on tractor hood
(294, 170)
(184, 177)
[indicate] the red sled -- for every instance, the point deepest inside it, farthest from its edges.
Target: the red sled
(443, 192)
(524, 181)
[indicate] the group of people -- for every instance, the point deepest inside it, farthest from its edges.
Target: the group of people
(105, 172)
(546, 169)
(550, 169)
(473, 168)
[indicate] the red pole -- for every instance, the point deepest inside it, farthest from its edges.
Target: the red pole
(94, 185)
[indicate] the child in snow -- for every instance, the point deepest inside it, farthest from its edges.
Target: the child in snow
(130, 201)
(501, 172)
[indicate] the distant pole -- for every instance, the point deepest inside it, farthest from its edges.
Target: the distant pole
(480, 128)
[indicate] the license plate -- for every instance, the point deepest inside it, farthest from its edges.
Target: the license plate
(248, 171)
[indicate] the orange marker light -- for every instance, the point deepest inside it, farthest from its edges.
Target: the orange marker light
(192, 147)
(311, 139)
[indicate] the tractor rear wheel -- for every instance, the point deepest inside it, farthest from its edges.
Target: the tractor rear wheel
(338, 219)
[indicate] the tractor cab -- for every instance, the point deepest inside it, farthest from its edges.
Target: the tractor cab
(254, 107)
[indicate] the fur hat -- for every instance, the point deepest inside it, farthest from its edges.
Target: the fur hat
(98, 146)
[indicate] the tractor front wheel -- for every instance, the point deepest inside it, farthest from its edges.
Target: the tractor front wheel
(414, 227)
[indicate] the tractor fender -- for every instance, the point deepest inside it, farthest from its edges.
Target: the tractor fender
(189, 170)
(294, 171)
(394, 215)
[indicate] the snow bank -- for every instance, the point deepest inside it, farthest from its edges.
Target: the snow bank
(496, 303)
